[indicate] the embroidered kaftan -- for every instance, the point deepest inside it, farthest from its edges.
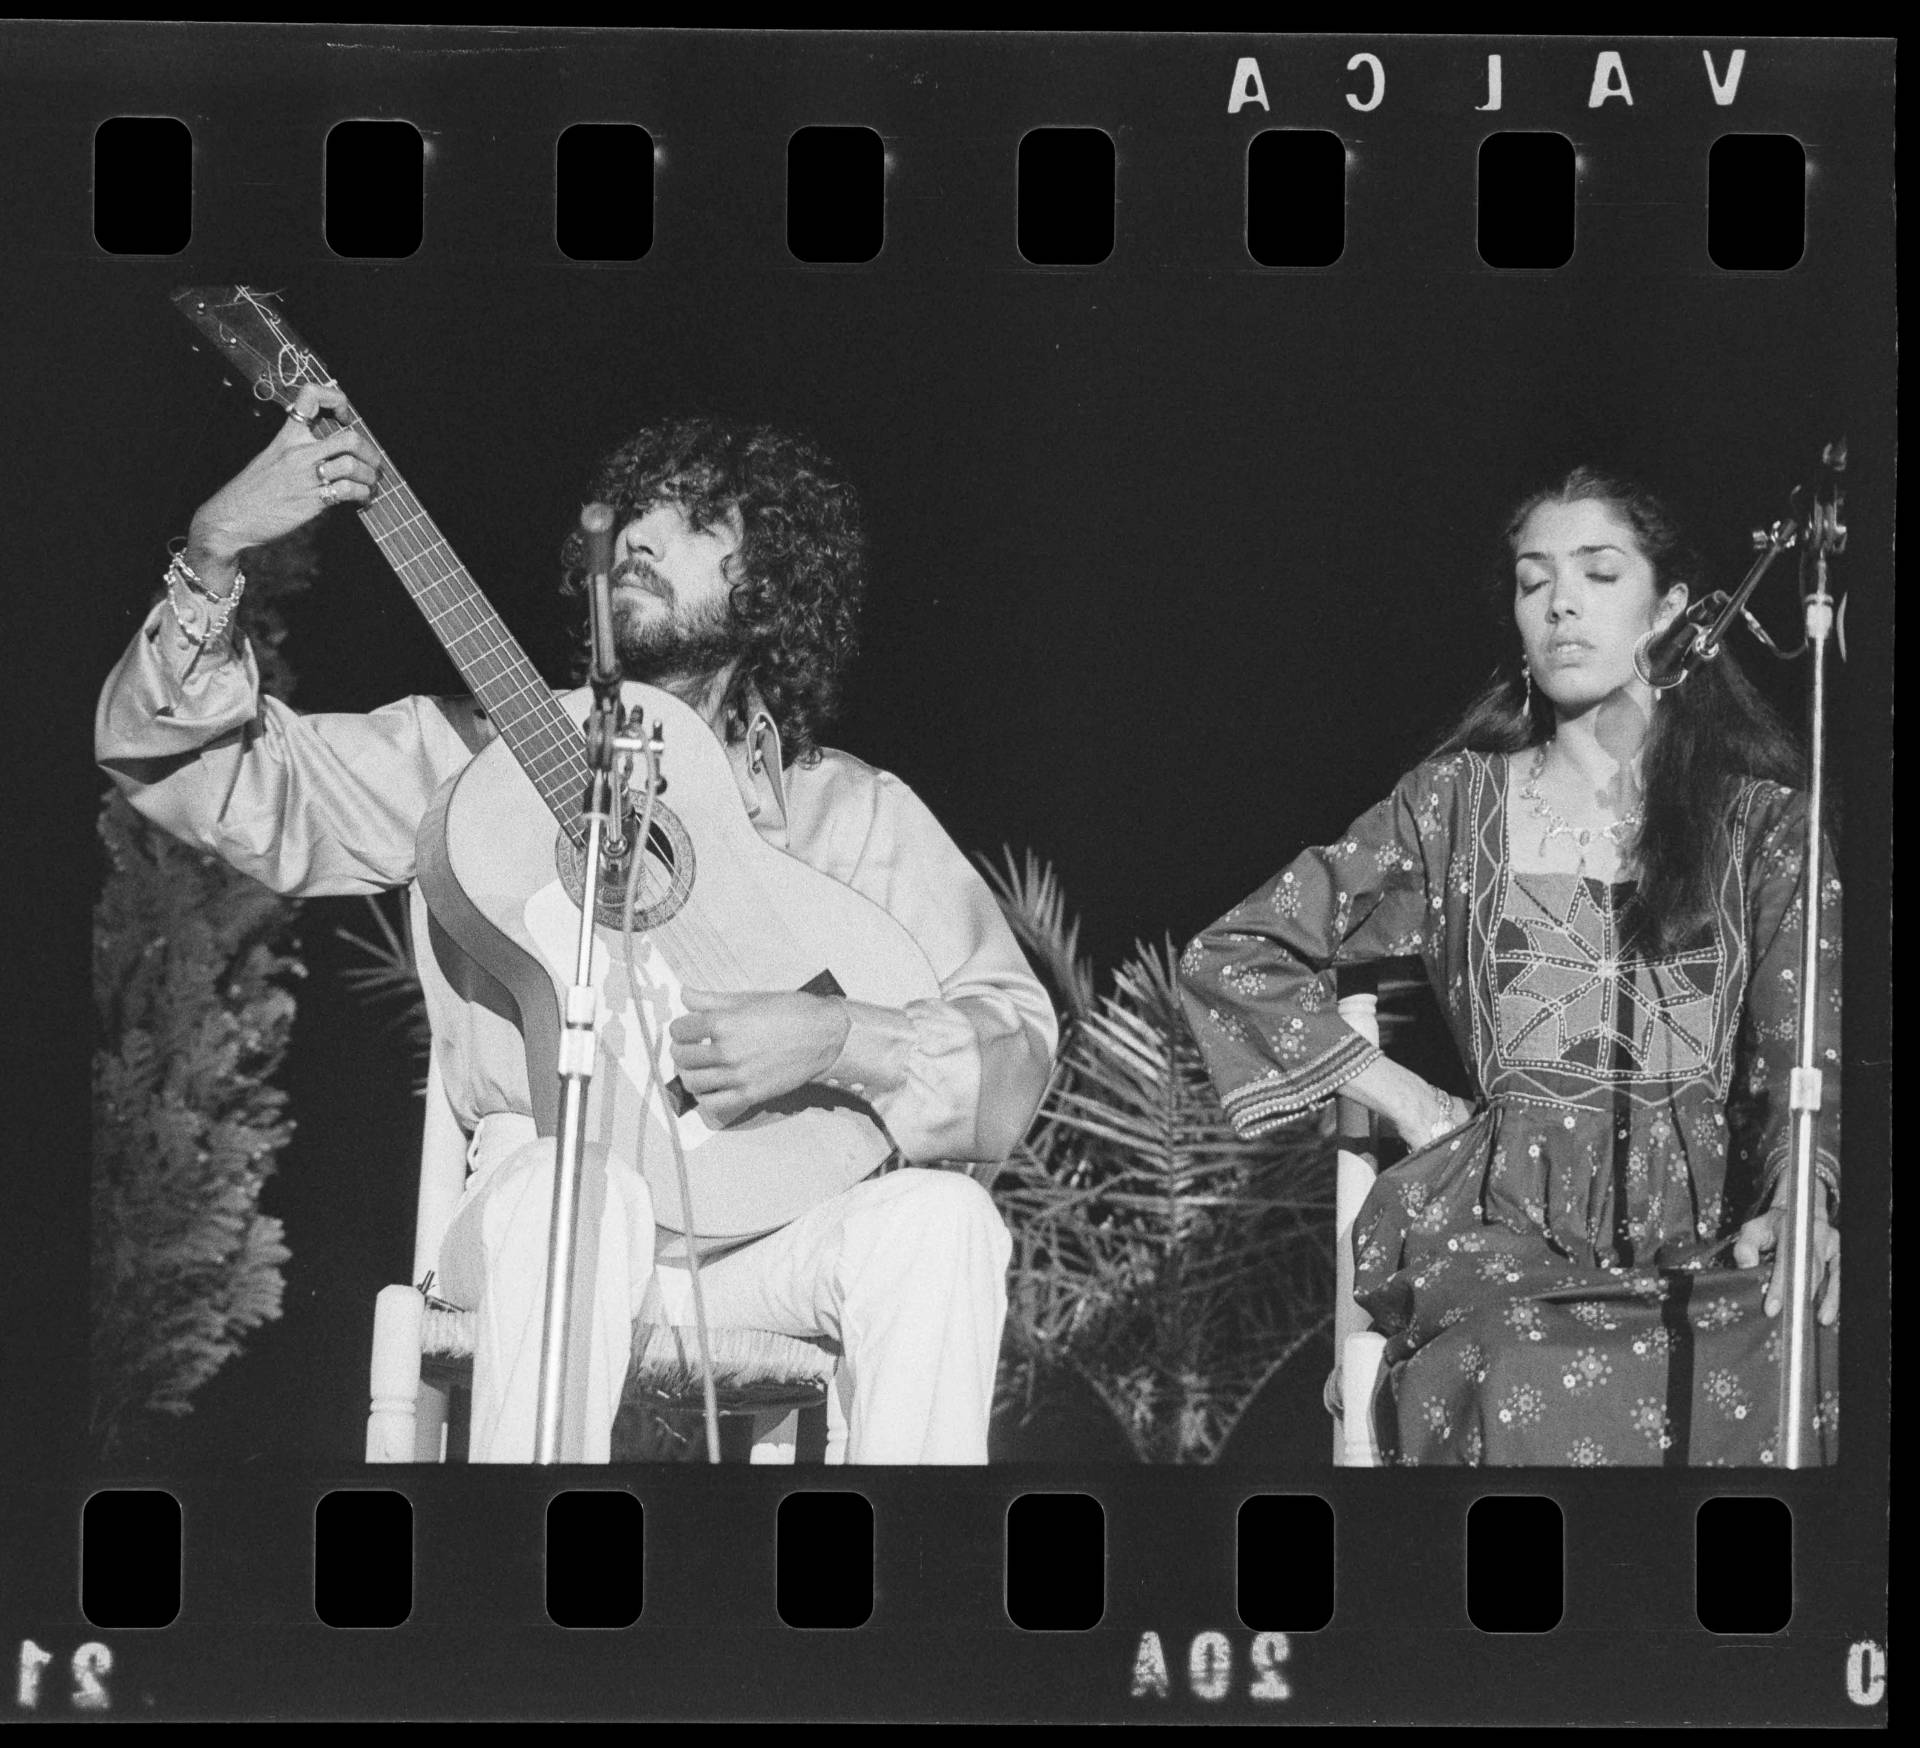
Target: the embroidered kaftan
(1553, 1276)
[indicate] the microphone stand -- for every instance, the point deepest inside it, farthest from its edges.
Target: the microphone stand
(1825, 534)
(605, 842)
(1692, 641)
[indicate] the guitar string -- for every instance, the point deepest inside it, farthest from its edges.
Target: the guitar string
(407, 535)
(651, 1046)
(394, 534)
(544, 739)
(456, 609)
(722, 971)
(448, 607)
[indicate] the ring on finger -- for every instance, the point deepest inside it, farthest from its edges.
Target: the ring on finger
(327, 491)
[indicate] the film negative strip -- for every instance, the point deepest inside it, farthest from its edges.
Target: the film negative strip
(1156, 409)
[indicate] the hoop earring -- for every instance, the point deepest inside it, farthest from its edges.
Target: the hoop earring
(1642, 667)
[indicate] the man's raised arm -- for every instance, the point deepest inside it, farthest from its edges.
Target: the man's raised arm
(304, 804)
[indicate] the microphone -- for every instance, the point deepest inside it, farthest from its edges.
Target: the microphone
(1663, 661)
(596, 528)
(607, 717)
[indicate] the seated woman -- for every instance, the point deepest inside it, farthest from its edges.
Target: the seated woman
(1605, 886)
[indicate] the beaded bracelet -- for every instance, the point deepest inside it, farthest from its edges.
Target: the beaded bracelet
(178, 572)
(177, 562)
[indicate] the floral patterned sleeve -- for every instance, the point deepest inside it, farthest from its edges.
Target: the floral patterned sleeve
(1761, 1119)
(1258, 986)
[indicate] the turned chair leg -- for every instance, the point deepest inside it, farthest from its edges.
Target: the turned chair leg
(1360, 1362)
(393, 1421)
(432, 1415)
(774, 1436)
(1357, 1348)
(798, 1436)
(831, 1427)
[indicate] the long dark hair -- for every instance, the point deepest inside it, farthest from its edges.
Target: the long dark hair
(802, 561)
(1707, 736)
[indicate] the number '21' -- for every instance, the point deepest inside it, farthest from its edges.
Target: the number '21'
(92, 1663)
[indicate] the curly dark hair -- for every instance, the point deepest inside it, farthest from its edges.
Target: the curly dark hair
(801, 564)
(1708, 736)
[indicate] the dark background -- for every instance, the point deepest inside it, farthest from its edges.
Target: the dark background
(1168, 579)
(1177, 562)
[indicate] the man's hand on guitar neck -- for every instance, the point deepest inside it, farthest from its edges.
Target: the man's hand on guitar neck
(735, 1051)
(284, 487)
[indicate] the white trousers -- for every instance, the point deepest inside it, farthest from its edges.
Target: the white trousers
(906, 1273)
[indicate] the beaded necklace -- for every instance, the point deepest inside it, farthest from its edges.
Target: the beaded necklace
(1558, 826)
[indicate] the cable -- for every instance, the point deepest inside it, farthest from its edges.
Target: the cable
(710, 1397)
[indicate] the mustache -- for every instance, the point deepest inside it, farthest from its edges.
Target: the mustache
(639, 570)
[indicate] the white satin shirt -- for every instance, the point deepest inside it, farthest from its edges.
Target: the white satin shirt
(328, 804)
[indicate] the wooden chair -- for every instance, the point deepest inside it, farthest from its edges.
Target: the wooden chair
(1359, 1350)
(422, 1352)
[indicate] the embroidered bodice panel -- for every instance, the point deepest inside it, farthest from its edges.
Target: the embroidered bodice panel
(1566, 1011)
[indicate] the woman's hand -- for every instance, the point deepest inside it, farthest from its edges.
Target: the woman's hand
(1430, 1116)
(737, 1051)
(1767, 1232)
(1416, 1110)
(284, 487)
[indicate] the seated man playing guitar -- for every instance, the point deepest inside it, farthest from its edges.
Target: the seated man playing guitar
(737, 580)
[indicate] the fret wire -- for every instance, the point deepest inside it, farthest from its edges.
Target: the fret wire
(473, 641)
(488, 655)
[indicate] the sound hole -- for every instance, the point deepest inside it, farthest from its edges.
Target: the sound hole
(666, 874)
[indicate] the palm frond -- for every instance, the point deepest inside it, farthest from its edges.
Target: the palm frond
(1170, 1265)
(389, 978)
(1036, 910)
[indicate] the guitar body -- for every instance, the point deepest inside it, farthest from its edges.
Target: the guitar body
(721, 909)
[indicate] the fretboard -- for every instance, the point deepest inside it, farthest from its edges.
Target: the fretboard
(508, 687)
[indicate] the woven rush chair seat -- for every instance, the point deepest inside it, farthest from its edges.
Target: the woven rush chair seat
(761, 1380)
(755, 1371)
(446, 1337)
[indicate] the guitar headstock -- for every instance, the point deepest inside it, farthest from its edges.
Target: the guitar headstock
(254, 340)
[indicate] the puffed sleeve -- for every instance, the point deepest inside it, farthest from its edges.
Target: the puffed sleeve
(1760, 1114)
(309, 805)
(1258, 986)
(958, 1078)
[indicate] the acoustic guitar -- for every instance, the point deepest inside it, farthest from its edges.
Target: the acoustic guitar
(499, 867)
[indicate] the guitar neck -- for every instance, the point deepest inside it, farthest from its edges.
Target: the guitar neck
(505, 682)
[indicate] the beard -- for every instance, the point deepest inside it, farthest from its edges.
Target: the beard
(654, 648)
